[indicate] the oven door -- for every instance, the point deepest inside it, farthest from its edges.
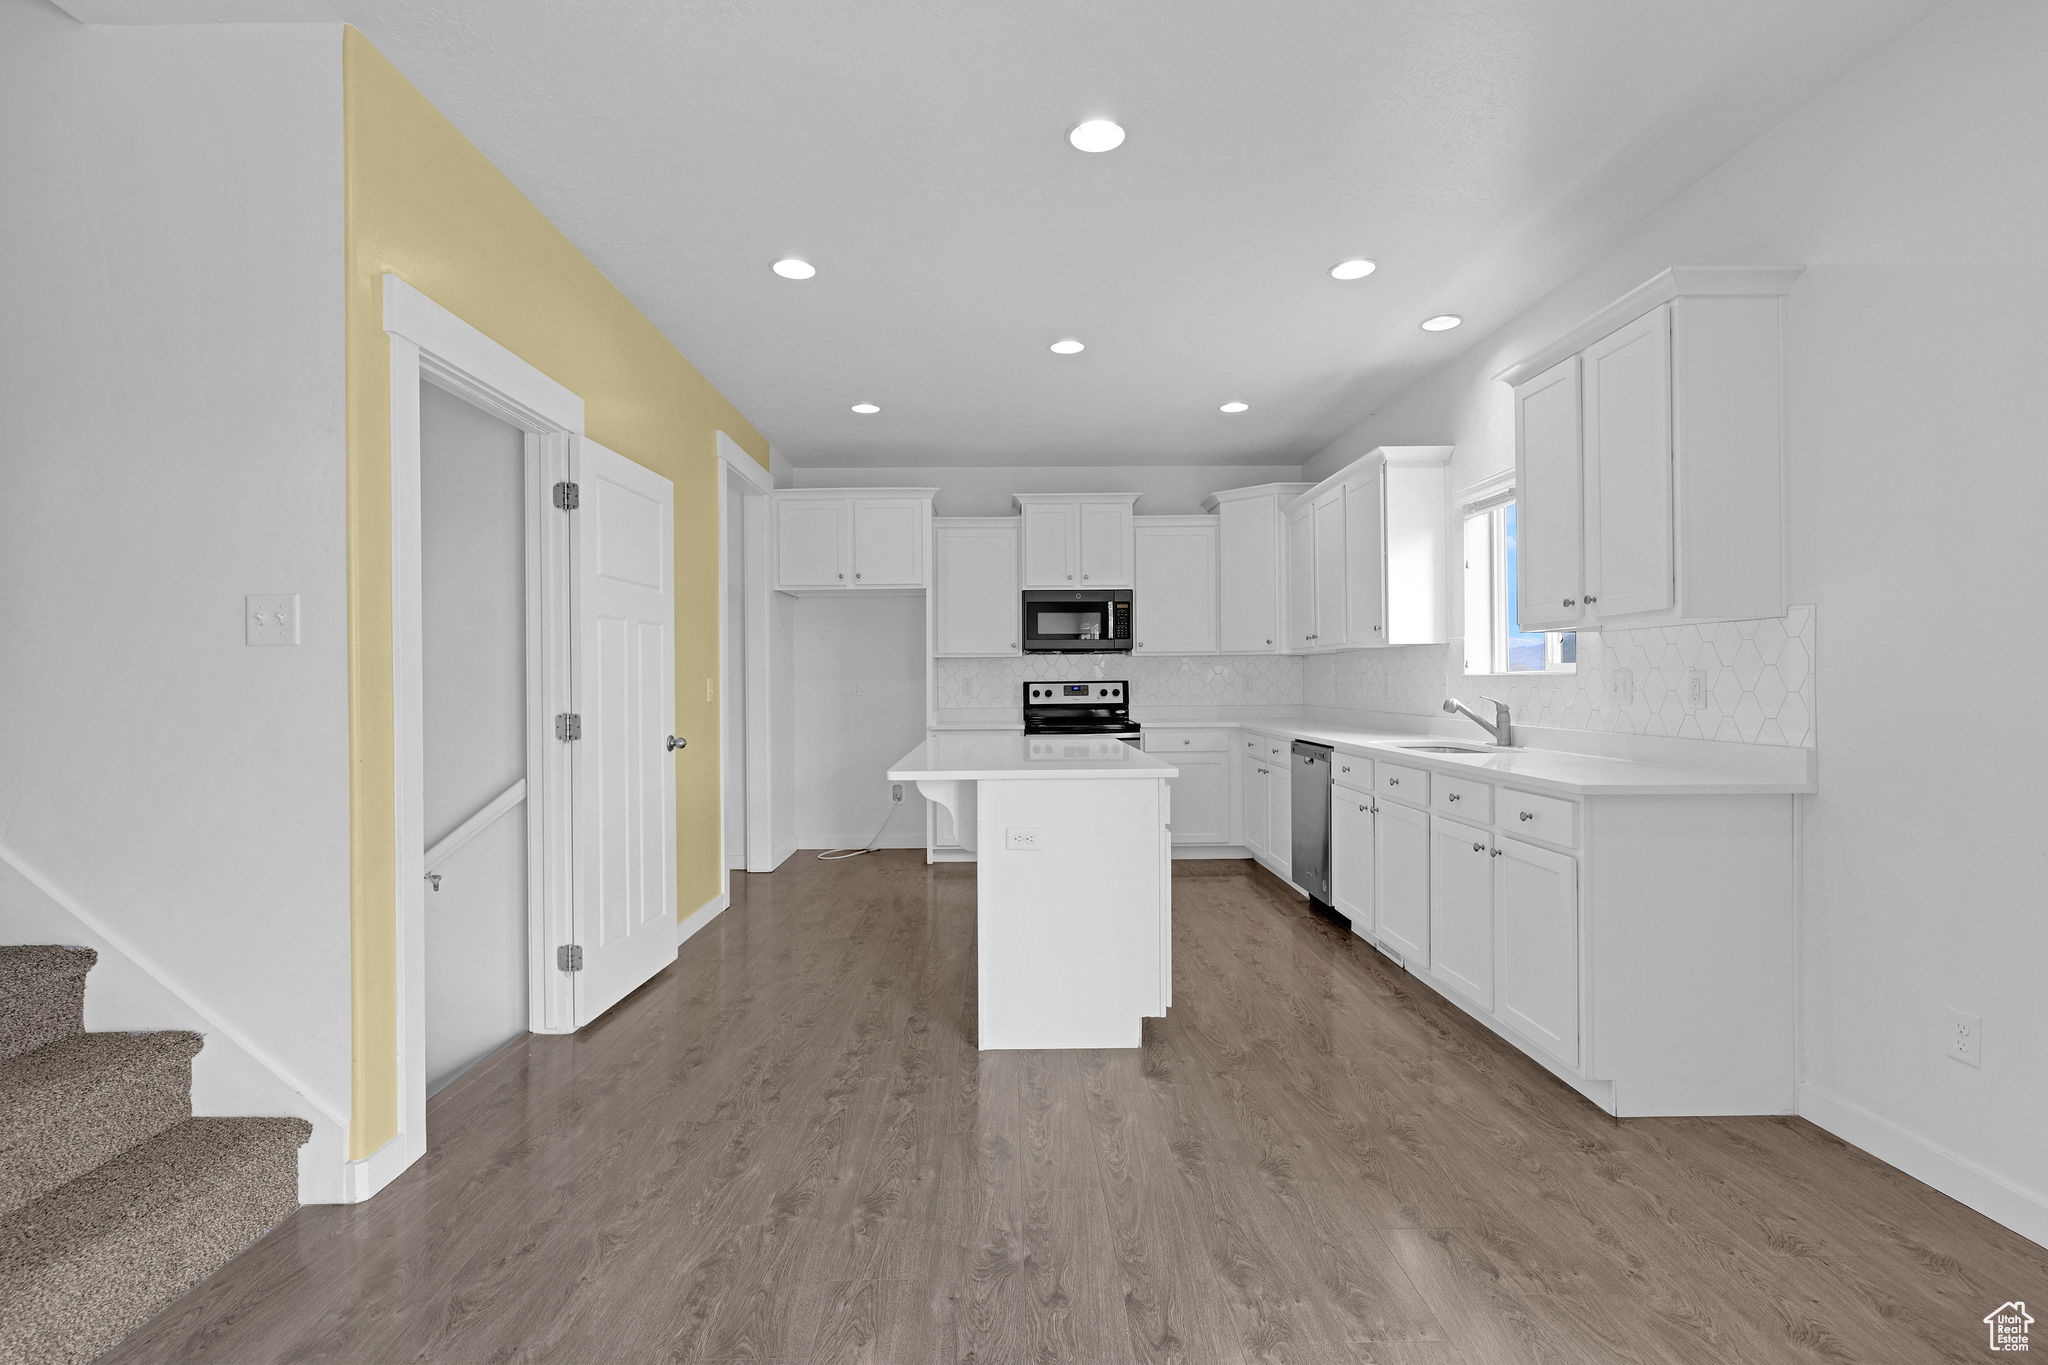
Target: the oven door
(1076, 622)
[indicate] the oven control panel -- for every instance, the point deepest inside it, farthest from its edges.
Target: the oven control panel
(1104, 693)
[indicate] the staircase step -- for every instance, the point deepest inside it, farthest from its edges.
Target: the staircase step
(69, 1105)
(92, 1260)
(42, 994)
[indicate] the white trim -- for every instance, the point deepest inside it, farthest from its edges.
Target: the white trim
(427, 342)
(735, 458)
(364, 1178)
(701, 916)
(2024, 1211)
(1684, 281)
(740, 471)
(1480, 494)
(492, 811)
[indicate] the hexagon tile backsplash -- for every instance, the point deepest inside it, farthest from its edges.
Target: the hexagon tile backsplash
(1758, 677)
(1156, 679)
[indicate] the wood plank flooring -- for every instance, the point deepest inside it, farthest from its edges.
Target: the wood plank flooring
(786, 1148)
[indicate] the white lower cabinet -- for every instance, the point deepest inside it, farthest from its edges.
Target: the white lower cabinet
(1351, 857)
(1536, 939)
(1461, 908)
(1265, 801)
(1280, 814)
(1400, 892)
(1253, 777)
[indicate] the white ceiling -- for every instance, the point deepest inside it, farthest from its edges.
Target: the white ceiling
(914, 150)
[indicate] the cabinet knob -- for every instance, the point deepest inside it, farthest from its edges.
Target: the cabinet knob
(1569, 602)
(1084, 578)
(1528, 815)
(1375, 627)
(1347, 770)
(1454, 796)
(1590, 599)
(1393, 782)
(1070, 578)
(1496, 853)
(1375, 810)
(856, 575)
(1187, 741)
(842, 575)
(1141, 644)
(1479, 848)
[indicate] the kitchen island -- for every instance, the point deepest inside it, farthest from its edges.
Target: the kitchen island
(1074, 905)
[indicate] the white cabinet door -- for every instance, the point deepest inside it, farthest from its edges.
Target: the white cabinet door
(1052, 535)
(1280, 810)
(1249, 595)
(1536, 904)
(1201, 799)
(1330, 612)
(1549, 500)
(975, 600)
(1175, 595)
(1351, 858)
(1400, 891)
(1106, 544)
(1365, 552)
(888, 542)
(1301, 580)
(813, 542)
(1461, 908)
(1253, 789)
(1628, 558)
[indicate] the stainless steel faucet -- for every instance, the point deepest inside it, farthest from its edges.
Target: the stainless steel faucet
(1501, 727)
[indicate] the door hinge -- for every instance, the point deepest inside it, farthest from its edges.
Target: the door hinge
(569, 957)
(568, 726)
(568, 496)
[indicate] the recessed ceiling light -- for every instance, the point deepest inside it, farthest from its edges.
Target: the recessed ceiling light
(865, 407)
(1096, 135)
(1068, 347)
(1234, 407)
(1356, 269)
(1442, 322)
(793, 268)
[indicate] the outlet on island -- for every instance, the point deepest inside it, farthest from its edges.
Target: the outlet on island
(1021, 838)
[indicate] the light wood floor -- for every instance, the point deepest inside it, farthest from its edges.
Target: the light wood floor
(786, 1148)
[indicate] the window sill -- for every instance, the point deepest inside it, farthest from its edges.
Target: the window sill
(1529, 673)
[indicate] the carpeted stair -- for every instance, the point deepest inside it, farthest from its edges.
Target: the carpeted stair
(114, 1200)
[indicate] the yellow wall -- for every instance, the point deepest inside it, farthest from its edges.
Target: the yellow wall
(425, 205)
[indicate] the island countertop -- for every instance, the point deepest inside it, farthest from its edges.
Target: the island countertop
(1013, 757)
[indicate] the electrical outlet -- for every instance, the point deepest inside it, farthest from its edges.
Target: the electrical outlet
(896, 792)
(1621, 686)
(860, 689)
(1021, 838)
(272, 618)
(707, 690)
(1696, 690)
(1965, 1037)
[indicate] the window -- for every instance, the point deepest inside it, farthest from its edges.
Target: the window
(1494, 642)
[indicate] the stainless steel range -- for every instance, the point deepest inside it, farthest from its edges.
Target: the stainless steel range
(1100, 708)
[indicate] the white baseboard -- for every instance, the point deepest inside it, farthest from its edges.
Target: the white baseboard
(1193, 851)
(783, 853)
(363, 1178)
(701, 916)
(2024, 1211)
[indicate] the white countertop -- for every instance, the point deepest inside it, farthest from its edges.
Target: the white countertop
(1572, 774)
(951, 757)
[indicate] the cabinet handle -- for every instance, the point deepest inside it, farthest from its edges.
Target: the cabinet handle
(1347, 770)
(842, 575)
(1361, 810)
(1187, 741)
(1496, 853)
(1452, 796)
(1590, 599)
(1375, 810)
(1528, 815)
(1569, 602)
(1269, 642)
(1393, 782)
(1479, 848)
(1070, 578)
(1084, 578)
(856, 576)
(1141, 644)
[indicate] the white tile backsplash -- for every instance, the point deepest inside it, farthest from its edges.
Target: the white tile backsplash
(1256, 680)
(1758, 676)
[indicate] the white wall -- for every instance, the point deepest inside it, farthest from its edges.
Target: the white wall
(1168, 490)
(1914, 192)
(845, 743)
(473, 600)
(171, 425)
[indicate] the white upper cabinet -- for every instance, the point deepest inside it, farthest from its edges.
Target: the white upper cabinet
(1549, 566)
(1071, 539)
(975, 601)
(1250, 524)
(832, 538)
(1650, 457)
(1366, 553)
(1175, 594)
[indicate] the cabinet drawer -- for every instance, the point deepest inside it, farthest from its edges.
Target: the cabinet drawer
(1396, 783)
(1187, 741)
(1538, 817)
(1349, 770)
(1461, 797)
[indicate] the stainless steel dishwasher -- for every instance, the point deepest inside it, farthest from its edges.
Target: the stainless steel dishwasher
(1311, 819)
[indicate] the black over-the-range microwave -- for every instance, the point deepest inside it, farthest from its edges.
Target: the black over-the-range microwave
(1064, 621)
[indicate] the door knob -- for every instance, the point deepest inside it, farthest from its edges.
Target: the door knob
(675, 744)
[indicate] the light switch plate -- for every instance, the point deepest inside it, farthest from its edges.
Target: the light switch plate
(272, 618)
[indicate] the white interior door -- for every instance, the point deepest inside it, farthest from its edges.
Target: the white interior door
(623, 787)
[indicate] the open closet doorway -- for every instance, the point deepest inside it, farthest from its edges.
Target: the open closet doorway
(474, 732)
(753, 704)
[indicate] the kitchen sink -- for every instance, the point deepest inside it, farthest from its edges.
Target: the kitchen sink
(1444, 748)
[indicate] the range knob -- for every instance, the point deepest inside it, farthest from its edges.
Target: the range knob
(1101, 691)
